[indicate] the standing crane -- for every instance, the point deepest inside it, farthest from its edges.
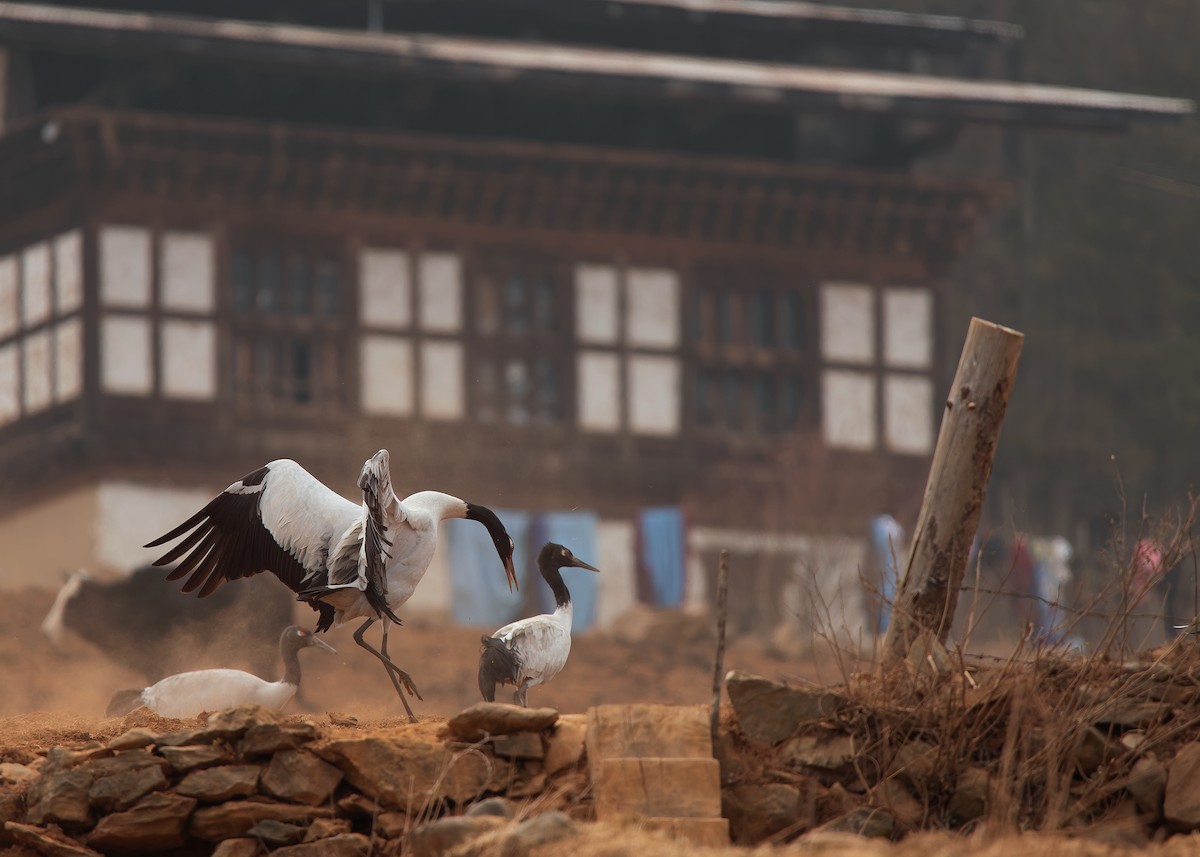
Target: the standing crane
(532, 651)
(347, 561)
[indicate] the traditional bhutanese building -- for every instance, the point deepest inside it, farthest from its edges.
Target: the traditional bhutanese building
(652, 276)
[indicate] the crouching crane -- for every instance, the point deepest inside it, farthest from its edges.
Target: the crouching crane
(532, 651)
(188, 694)
(347, 561)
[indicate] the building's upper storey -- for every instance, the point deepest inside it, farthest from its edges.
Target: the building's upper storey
(781, 80)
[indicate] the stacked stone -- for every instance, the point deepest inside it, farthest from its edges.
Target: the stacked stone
(251, 781)
(807, 762)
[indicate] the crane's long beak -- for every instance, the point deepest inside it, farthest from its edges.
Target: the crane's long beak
(578, 563)
(321, 644)
(511, 572)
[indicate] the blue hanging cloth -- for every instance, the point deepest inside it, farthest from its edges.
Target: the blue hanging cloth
(577, 531)
(662, 553)
(481, 595)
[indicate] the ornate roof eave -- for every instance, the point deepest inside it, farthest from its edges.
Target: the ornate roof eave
(507, 184)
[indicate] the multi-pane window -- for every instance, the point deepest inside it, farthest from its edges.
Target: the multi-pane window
(876, 389)
(521, 346)
(751, 345)
(41, 335)
(288, 325)
(627, 366)
(286, 283)
(157, 334)
(410, 348)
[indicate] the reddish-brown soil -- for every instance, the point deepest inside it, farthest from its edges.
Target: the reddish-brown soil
(49, 696)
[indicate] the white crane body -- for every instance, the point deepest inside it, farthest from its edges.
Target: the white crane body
(531, 651)
(346, 560)
(188, 694)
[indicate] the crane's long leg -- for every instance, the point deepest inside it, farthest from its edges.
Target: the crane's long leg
(394, 672)
(408, 681)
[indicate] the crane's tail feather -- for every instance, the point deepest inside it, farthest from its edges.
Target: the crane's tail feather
(123, 702)
(327, 598)
(325, 615)
(498, 664)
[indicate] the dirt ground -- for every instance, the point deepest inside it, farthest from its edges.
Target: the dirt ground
(49, 697)
(75, 684)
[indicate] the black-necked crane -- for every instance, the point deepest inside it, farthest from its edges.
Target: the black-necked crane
(346, 560)
(532, 651)
(188, 694)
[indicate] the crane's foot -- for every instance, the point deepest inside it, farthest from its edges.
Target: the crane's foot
(397, 676)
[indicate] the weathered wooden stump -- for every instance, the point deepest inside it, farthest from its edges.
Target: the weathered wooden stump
(962, 462)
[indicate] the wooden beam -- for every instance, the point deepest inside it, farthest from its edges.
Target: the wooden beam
(958, 476)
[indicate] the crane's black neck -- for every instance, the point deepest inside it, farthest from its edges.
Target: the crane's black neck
(290, 648)
(554, 577)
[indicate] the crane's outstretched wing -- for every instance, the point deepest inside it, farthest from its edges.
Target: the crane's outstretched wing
(278, 519)
(375, 480)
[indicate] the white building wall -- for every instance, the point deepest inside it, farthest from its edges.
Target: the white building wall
(825, 592)
(32, 544)
(652, 308)
(654, 394)
(441, 379)
(598, 390)
(38, 365)
(385, 297)
(187, 272)
(908, 328)
(386, 382)
(68, 271)
(125, 355)
(596, 304)
(35, 278)
(847, 323)
(908, 413)
(10, 384)
(189, 359)
(9, 318)
(848, 409)
(130, 515)
(68, 359)
(440, 278)
(125, 266)
(616, 585)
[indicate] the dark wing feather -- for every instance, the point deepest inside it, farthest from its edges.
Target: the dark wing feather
(498, 664)
(375, 543)
(228, 541)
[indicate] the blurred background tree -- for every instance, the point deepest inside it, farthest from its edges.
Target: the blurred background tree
(1098, 261)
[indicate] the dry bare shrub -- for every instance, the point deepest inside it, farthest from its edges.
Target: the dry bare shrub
(1055, 728)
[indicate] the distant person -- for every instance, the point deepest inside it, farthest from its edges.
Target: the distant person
(1020, 582)
(1147, 569)
(1145, 602)
(886, 546)
(1051, 575)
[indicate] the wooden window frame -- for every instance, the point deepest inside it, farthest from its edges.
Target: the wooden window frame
(556, 343)
(743, 358)
(330, 384)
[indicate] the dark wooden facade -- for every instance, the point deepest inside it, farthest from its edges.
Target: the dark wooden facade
(753, 202)
(554, 206)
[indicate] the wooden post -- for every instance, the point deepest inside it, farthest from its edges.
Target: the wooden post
(719, 667)
(962, 462)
